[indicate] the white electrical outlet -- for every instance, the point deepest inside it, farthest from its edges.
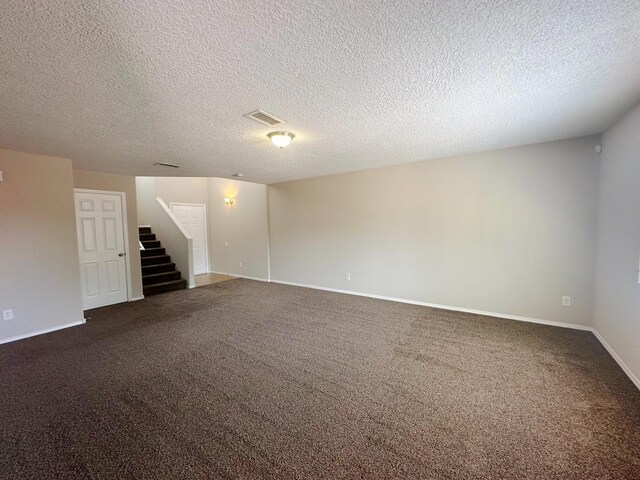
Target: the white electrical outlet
(7, 314)
(566, 301)
(240, 264)
(347, 276)
(226, 244)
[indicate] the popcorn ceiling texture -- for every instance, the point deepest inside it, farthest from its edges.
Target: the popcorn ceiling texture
(117, 86)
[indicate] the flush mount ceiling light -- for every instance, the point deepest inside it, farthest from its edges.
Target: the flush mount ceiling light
(238, 175)
(281, 139)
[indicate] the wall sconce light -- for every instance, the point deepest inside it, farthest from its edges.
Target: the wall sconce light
(228, 201)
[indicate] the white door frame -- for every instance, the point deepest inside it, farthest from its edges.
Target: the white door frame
(206, 227)
(125, 231)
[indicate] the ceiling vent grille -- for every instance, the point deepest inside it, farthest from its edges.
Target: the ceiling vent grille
(264, 118)
(170, 165)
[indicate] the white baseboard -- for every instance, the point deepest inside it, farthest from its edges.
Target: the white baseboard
(617, 358)
(259, 279)
(135, 299)
(587, 328)
(40, 332)
(444, 307)
(600, 338)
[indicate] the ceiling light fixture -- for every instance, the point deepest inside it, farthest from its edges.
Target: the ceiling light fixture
(238, 175)
(281, 139)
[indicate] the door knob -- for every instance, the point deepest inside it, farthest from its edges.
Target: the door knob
(121, 254)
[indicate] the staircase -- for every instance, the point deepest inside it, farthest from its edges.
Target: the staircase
(159, 274)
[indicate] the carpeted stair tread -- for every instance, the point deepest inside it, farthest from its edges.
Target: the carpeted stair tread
(150, 243)
(164, 287)
(152, 252)
(158, 268)
(159, 274)
(160, 277)
(146, 261)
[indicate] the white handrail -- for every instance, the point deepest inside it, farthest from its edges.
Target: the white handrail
(174, 238)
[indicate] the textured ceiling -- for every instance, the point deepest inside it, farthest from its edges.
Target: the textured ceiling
(119, 85)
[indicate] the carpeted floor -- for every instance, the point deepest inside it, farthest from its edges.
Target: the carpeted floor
(243, 379)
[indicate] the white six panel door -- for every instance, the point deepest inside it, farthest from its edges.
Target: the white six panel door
(193, 218)
(100, 227)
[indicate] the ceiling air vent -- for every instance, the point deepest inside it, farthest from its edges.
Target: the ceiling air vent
(170, 165)
(264, 118)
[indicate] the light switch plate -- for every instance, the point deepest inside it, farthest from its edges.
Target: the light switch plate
(7, 314)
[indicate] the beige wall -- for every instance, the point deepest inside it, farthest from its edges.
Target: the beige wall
(182, 189)
(243, 226)
(170, 190)
(145, 196)
(617, 306)
(508, 231)
(118, 183)
(39, 268)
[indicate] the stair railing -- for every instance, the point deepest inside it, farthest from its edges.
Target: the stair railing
(175, 239)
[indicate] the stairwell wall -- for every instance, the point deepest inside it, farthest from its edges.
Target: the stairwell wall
(238, 235)
(174, 239)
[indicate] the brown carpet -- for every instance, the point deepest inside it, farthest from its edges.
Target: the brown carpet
(243, 379)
